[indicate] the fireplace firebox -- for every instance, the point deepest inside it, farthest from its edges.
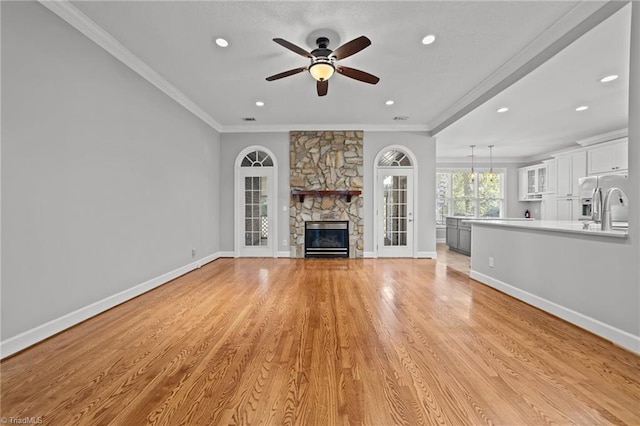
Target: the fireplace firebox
(326, 238)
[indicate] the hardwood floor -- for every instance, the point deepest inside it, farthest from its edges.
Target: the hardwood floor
(323, 342)
(453, 260)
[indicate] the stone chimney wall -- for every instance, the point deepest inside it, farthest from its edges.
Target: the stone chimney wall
(326, 160)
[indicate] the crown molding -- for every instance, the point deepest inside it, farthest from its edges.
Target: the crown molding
(279, 128)
(74, 17)
(579, 20)
(605, 137)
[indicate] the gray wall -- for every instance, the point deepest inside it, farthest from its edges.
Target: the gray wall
(419, 143)
(106, 182)
(589, 275)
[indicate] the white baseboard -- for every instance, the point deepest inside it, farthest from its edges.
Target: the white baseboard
(208, 259)
(48, 329)
(441, 240)
(284, 254)
(226, 254)
(426, 255)
(619, 337)
(419, 255)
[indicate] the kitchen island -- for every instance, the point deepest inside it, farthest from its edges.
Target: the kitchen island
(568, 271)
(458, 235)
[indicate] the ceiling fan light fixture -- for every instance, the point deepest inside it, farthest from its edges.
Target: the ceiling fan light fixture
(323, 62)
(322, 69)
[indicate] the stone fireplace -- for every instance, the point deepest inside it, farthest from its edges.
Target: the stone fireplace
(327, 167)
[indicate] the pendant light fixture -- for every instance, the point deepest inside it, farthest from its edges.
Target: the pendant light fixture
(491, 176)
(472, 173)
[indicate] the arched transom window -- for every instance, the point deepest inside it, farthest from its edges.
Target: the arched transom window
(257, 159)
(394, 158)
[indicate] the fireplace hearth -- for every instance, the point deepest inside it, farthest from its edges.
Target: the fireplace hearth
(326, 238)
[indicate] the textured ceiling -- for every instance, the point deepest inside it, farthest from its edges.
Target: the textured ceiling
(476, 41)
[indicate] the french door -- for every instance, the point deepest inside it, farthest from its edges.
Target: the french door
(394, 213)
(255, 212)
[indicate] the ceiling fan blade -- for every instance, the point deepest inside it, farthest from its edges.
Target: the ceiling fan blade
(358, 75)
(323, 87)
(299, 50)
(351, 47)
(286, 73)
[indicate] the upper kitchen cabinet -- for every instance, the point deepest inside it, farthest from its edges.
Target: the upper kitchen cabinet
(610, 157)
(533, 181)
(570, 167)
(550, 180)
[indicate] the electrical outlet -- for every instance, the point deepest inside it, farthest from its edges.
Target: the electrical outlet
(284, 208)
(491, 262)
(285, 242)
(193, 252)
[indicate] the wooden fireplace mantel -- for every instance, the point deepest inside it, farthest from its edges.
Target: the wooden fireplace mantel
(323, 192)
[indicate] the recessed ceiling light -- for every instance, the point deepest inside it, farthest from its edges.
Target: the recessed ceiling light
(260, 103)
(429, 39)
(222, 42)
(582, 108)
(608, 78)
(389, 102)
(503, 109)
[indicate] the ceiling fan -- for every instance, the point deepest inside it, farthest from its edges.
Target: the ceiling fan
(323, 62)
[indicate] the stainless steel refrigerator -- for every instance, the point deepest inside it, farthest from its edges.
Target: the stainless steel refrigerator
(593, 190)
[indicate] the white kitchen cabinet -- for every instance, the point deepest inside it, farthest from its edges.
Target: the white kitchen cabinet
(548, 208)
(608, 157)
(522, 184)
(567, 209)
(532, 182)
(550, 183)
(569, 168)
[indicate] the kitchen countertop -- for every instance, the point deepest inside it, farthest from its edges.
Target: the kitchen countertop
(571, 227)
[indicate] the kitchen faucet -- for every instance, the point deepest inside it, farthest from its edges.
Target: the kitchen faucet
(596, 205)
(606, 207)
(596, 208)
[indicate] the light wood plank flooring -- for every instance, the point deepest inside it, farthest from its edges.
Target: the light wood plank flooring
(323, 342)
(453, 260)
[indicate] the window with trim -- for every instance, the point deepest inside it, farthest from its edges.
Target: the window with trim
(458, 194)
